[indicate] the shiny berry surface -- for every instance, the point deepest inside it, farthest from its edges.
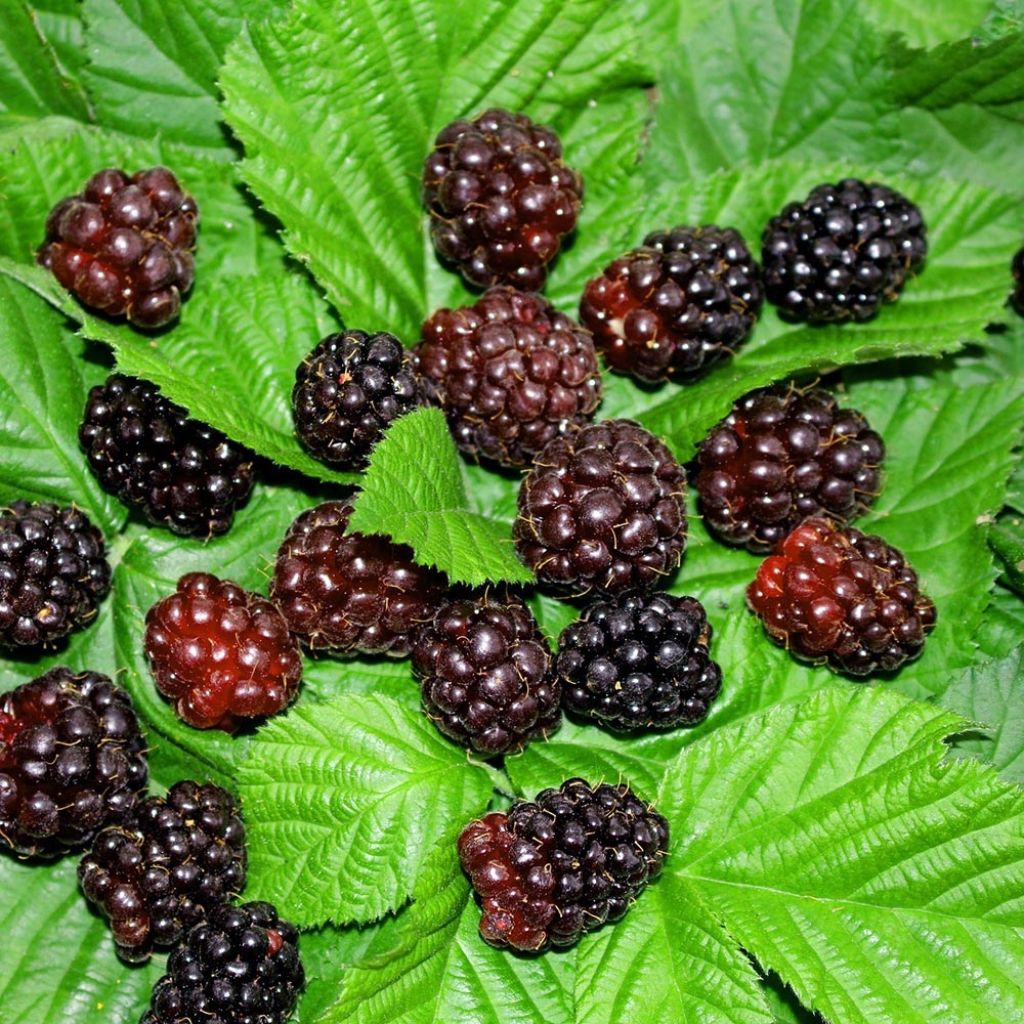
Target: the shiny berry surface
(677, 306)
(840, 596)
(510, 372)
(781, 456)
(347, 392)
(239, 966)
(124, 244)
(500, 198)
(179, 472)
(604, 509)
(344, 592)
(639, 661)
(486, 674)
(220, 653)
(72, 759)
(53, 573)
(842, 252)
(160, 870)
(564, 864)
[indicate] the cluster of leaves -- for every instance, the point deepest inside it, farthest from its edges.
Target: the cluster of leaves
(830, 854)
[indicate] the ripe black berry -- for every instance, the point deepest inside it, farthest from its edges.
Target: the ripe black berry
(842, 252)
(221, 653)
(347, 391)
(124, 245)
(603, 508)
(72, 759)
(551, 869)
(639, 661)
(53, 573)
(838, 595)
(500, 198)
(486, 675)
(780, 456)
(677, 306)
(170, 861)
(511, 373)
(145, 450)
(343, 591)
(239, 966)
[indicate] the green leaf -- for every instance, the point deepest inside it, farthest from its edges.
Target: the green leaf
(347, 190)
(32, 82)
(414, 493)
(343, 802)
(60, 22)
(176, 53)
(1006, 538)
(836, 846)
(45, 376)
(925, 23)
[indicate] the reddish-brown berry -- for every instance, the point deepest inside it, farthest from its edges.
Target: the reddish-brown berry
(510, 372)
(343, 591)
(838, 595)
(221, 653)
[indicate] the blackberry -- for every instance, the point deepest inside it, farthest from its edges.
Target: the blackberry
(1017, 295)
(72, 759)
(780, 456)
(221, 653)
(561, 865)
(500, 198)
(347, 391)
(842, 252)
(144, 449)
(639, 661)
(486, 675)
(343, 591)
(838, 595)
(511, 373)
(603, 508)
(677, 306)
(124, 244)
(53, 573)
(240, 966)
(169, 862)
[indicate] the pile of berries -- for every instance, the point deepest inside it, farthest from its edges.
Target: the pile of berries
(601, 515)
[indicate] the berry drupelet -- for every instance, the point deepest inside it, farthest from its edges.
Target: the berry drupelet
(169, 862)
(781, 456)
(553, 868)
(677, 306)
(486, 675)
(838, 595)
(639, 661)
(500, 198)
(843, 252)
(221, 653)
(178, 472)
(124, 244)
(72, 759)
(510, 372)
(239, 966)
(603, 508)
(342, 591)
(347, 392)
(53, 573)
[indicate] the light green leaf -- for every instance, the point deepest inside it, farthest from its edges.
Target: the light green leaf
(347, 190)
(925, 23)
(344, 800)
(414, 493)
(838, 848)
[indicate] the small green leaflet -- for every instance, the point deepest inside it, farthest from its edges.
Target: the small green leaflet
(414, 493)
(343, 802)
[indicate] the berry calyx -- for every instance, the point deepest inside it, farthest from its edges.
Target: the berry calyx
(124, 244)
(838, 595)
(220, 653)
(500, 198)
